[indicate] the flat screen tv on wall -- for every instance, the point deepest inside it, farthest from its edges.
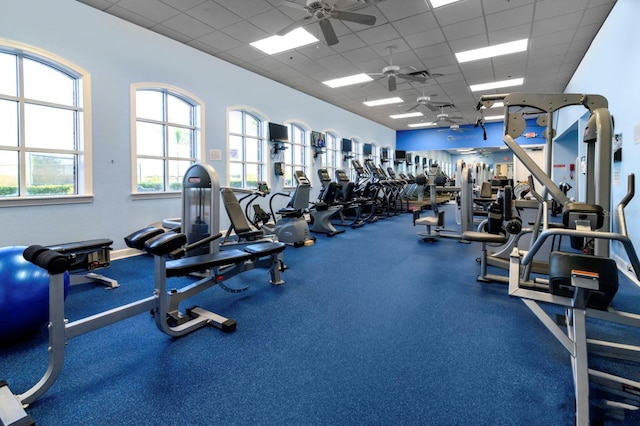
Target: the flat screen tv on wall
(317, 139)
(278, 132)
(367, 149)
(347, 145)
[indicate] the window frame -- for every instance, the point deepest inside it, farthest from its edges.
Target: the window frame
(294, 146)
(198, 126)
(82, 151)
(332, 152)
(262, 140)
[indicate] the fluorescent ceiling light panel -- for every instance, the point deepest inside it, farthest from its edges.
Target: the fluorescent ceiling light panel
(407, 115)
(276, 44)
(494, 117)
(440, 3)
(421, 124)
(497, 84)
(347, 81)
(492, 51)
(499, 104)
(386, 101)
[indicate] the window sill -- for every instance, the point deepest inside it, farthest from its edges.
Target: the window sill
(155, 195)
(45, 201)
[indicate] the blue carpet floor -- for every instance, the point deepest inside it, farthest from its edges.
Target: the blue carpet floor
(373, 327)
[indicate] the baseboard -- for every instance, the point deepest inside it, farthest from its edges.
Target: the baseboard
(124, 253)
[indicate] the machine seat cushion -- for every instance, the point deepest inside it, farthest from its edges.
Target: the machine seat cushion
(582, 209)
(562, 263)
(485, 237)
(163, 244)
(137, 239)
(265, 249)
(81, 246)
(188, 265)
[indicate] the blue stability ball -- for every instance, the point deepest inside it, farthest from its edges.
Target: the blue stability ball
(24, 295)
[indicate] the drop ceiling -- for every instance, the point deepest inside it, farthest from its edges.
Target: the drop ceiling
(423, 38)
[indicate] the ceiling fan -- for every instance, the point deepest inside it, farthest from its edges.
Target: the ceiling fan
(443, 116)
(322, 12)
(425, 100)
(454, 128)
(391, 72)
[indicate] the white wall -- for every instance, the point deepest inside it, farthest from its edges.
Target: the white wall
(118, 54)
(610, 68)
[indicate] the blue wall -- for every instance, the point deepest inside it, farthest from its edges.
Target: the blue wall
(471, 137)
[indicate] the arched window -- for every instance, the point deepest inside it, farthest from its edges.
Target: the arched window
(296, 157)
(246, 153)
(166, 137)
(45, 146)
(332, 152)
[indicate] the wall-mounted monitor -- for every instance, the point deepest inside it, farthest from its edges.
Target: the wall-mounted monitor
(318, 139)
(401, 155)
(385, 154)
(347, 146)
(278, 132)
(367, 149)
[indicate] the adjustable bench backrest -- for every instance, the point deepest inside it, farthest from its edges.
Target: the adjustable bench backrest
(238, 220)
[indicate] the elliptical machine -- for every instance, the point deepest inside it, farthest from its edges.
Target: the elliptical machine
(289, 224)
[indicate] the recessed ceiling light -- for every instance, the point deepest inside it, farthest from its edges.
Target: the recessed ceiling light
(407, 115)
(491, 51)
(346, 81)
(425, 124)
(440, 3)
(276, 44)
(497, 84)
(386, 101)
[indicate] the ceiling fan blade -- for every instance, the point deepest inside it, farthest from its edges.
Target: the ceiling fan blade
(392, 83)
(296, 24)
(412, 78)
(357, 18)
(328, 32)
(292, 5)
(413, 107)
(431, 106)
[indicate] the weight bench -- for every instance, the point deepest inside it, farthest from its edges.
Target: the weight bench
(87, 256)
(213, 268)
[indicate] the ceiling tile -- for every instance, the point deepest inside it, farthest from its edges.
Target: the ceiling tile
(399, 9)
(245, 32)
(154, 10)
(220, 41)
(182, 5)
(378, 34)
(130, 16)
(245, 8)
(214, 15)
(185, 24)
(465, 29)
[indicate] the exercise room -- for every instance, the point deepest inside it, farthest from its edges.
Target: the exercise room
(345, 212)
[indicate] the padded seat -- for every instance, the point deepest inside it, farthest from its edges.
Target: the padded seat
(188, 265)
(137, 239)
(81, 246)
(562, 263)
(265, 249)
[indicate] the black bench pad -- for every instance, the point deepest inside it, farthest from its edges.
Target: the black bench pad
(188, 265)
(265, 249)
(137, 239)
(81, 246)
